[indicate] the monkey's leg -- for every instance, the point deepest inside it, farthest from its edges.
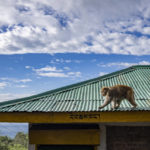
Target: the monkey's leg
(131, 99)
(133, 103)
(113, 104)
(118, 102)
(106, 102)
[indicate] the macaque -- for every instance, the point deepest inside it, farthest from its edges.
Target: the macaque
(116, 94)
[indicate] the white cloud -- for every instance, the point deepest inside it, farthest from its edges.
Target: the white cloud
(48, 68)
(66, 68)
(3, 85)
(61, 60)
(144, 63)
(11, 96)
(23, 80)
(16, 80)
(52, 74)
(21, 86)
(102, 73)
(74, 74)
(124, 64)
(49, 71)
(27, 67)
(81, 26)
(13, 82)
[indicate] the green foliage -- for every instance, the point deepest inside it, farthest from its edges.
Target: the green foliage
(21, 139)
(20, 142)
(17, 147)
(4, 142)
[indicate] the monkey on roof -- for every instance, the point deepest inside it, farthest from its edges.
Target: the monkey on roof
(116, 94)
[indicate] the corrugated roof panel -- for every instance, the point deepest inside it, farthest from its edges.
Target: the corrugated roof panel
(78, 105)
(72, 106)
(56, 106)
(78, 91)
(83, 106)
(51, 106)
(57, 95)
(66, 105)
(36, 105)
(44, 103)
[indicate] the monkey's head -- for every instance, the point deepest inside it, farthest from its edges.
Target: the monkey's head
(104, 91)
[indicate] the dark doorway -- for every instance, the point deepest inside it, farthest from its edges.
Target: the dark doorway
(64, 147)
(128, 138)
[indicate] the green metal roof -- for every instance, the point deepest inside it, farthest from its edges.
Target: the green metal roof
(86, 96)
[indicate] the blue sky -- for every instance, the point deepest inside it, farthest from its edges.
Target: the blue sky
(11, 129)
(49, 44)
(28, 74)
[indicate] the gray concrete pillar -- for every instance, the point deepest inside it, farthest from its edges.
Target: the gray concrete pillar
(102, 138)
(31, 147)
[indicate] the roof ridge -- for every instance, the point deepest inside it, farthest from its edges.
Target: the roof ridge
(70, 87)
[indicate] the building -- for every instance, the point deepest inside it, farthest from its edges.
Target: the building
(68, 118)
